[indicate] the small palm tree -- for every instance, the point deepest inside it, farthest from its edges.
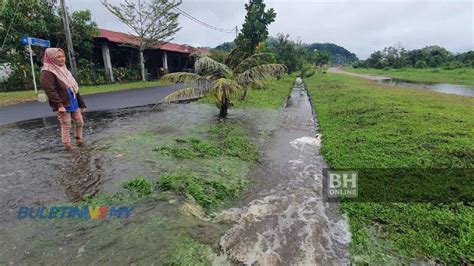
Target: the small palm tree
(223, 82)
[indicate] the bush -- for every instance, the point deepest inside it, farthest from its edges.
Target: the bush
(307, 71)
(421, 64)
(452, 65)
(126, 74)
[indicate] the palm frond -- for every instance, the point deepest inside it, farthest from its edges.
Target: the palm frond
(191, 79)
(253, 61)
(183, 77)
(183, 94)
(206, 66)
(261, 72)
(235, 56)
(224, 88)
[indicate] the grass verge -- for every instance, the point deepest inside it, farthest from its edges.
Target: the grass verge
(273, 96)
(14, 97)
(368, 125)
(462, 76)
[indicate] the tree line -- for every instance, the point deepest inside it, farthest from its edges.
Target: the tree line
(427, 57)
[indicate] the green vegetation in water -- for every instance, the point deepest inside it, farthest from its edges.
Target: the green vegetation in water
(187, 251)
(369, 125)
(140, 187)
(206, 161)
(207, 193)
(225, 139)
(461, 76)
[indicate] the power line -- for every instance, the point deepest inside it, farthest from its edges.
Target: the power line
(207, 25)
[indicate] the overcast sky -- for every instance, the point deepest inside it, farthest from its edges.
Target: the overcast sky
(361, 26)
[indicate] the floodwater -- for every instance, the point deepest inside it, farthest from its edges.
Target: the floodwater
(440, 87)
(281, 219)
(284, 220)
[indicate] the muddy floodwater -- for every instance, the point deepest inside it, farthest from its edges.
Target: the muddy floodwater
(279, 219)
(441, 87)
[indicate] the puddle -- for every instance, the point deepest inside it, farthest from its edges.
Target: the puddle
(441, 87)
(37, 172)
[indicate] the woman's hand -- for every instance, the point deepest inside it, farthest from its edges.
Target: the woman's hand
(61, 109)
(83, 110)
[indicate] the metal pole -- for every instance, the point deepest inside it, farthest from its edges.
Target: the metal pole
(67, 35)
(32, 67)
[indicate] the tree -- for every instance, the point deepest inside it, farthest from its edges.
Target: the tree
(254, 30)
(83, 31)
(218, 55)
(287, 52)
(320, 58)
(153, 21)
(222, 82)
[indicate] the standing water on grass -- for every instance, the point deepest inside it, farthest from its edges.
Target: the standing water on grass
(284, 220)
(441, 87)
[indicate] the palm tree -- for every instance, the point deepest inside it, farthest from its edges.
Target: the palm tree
(223, 82)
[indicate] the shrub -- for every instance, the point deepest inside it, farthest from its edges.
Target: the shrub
(421, 64)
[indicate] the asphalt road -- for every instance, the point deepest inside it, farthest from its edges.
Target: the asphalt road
(94, 102)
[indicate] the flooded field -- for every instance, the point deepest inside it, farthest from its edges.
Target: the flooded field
(278, 219)
(441, 88)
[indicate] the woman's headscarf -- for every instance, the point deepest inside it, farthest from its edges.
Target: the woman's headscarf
(61, 72)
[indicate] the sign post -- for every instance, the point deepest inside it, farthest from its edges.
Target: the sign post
(32, 66)
(38, 42)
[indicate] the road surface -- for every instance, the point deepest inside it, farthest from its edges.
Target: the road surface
(95, 102)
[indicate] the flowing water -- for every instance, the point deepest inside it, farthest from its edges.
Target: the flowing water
(441, 87)
(281, 219)
(284, 220)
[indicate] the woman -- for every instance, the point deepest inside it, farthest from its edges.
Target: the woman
(63, 94)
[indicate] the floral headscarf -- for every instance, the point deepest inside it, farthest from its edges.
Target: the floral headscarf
(61, 72)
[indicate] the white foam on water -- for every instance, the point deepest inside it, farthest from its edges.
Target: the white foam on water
(290, 223)
(304, 143)
(340, 231)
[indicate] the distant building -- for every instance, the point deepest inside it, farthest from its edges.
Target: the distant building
(119, 49)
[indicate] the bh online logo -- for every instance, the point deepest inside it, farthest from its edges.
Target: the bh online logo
(341, 184)
(74, 212)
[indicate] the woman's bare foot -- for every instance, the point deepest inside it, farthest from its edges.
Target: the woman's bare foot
(79, 142)
(68, 146)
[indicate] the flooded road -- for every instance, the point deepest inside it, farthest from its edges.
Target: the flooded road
(279, 220)
(284, 220)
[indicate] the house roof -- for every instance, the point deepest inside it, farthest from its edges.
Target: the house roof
(124, 38)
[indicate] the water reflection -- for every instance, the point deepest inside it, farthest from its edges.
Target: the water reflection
(441, 87)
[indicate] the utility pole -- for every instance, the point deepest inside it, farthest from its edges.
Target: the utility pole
(236, 31)
(67, 35)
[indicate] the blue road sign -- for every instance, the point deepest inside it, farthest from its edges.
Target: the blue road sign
(34, 41)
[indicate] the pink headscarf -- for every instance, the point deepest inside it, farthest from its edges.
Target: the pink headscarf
(61, 72)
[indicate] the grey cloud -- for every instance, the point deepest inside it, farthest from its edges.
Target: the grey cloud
(360, 26)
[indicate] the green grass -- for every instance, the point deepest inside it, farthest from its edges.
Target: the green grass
(273, 96)
(462, 76)
(7, 98)
(368, 125)
(207, 193)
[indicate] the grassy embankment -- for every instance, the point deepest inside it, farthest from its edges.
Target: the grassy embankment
(462, 76)
(368, 125)
(7, 98)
